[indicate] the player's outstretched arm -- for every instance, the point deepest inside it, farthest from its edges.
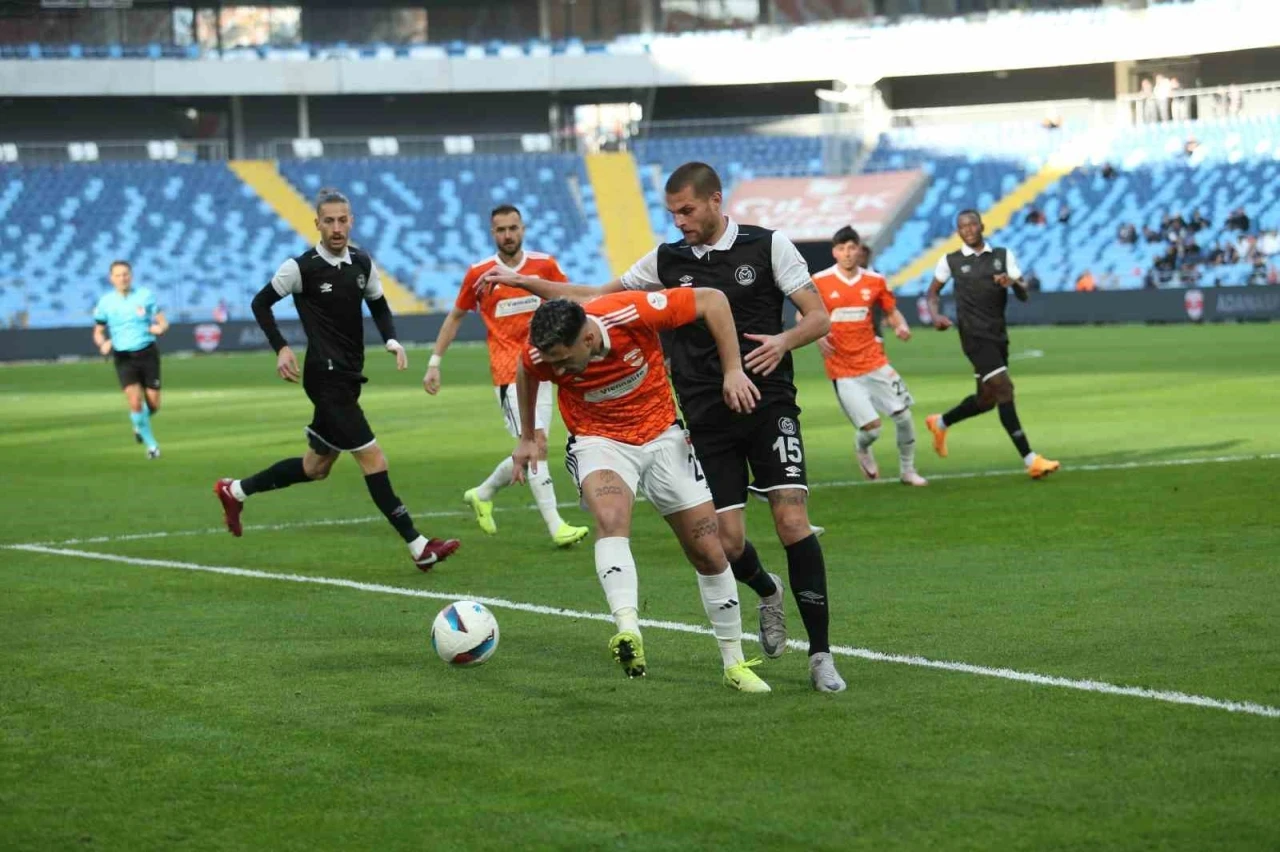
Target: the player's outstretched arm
(544, 289)
(525, 458)
(448, 331)
(934, 298)
(712, 307)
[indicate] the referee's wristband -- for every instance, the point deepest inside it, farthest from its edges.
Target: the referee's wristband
(433, 361)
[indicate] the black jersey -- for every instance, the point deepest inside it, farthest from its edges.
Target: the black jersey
(742, 266)
(329, 293)
(980, 301)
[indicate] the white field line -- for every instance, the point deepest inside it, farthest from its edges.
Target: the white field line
(846, 483)
(1168, 696)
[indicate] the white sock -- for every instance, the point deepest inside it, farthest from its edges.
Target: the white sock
(237, 492)
(417, 544)
(906, 431)
(616, 569)
(544, 494)
(941, 424)
(720, 599)
(867, 437)
(1028, 459)
(498, 480)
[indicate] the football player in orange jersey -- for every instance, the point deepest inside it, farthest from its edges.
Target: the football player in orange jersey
(607, 359)
(506, 312)
(865, 383)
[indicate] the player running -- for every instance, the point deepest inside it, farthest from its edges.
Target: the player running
(761, 451)
(329, 283)
(866, 385)
(983, 276)
(126, 323)
(506, 311)
(606, 357)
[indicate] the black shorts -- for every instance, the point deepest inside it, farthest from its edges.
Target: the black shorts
(988, 357)
(762, 451)
(139, 367)
(338, 423)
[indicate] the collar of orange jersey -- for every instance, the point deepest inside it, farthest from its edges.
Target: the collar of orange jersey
(524, 258)
(604, 339)
(850, 281)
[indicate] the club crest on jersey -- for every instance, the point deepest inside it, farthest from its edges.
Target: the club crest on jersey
(998, 265)
(634, 358)
(866, 294)
(786, 426)
(360, 279)
(965, 269)
(745, 275)
(658, 300)
(686, 280)
(140, 311)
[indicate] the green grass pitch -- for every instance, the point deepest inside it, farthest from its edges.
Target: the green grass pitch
(146, 707)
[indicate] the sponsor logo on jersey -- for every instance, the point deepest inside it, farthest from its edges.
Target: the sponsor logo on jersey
(657, 299)
(791, 471)
(326, 287)
(786, 426)
(521, 305)
(745, 275)
(686, 280)
(1193, 301)
(634, 358)
(618, 389)
(849, 314)
(208, 335)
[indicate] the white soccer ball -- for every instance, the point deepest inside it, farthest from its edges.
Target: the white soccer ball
(465, 633)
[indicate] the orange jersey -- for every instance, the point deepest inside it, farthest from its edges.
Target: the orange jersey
(506, 310)
(853, 330)
(623, 394)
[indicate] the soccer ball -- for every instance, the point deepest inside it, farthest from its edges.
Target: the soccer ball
(464, 634)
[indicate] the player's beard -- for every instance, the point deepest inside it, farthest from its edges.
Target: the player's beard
(510, 253)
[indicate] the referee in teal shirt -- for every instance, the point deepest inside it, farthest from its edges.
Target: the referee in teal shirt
(130, 317)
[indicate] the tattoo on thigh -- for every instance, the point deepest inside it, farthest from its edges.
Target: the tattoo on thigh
(788, 497)
(705, 527)
(607, 490)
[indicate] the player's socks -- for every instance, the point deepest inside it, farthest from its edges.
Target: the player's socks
(1009, 419)
(379, 485)
(498, 480)
(906, 433)
(616, 568)
(808, 573)
(747, 569)
(142, 425)
(867, 437)
(720, 600)
(282, 474)
(968, 407)
(544, 494)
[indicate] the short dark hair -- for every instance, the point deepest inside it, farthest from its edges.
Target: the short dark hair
(329, 195)
(126, 264)
(504, 209)
(556, 321)
(700, 176)
(969, 211)
(846, 235)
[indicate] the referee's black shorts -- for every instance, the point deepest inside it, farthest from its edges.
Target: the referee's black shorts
(138, 367)
(989, 357)
(762, 451)
(338, 424)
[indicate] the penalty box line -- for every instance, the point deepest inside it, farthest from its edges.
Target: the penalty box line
(466, 513)
(1167, 696)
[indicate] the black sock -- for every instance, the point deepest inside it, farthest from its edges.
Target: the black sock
(282, 474)
(808, 572)
(747, 569)
(1009, 418)
(379, 485)
(968, 407)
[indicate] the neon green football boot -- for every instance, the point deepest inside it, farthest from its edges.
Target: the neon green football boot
(740, 677)
(483, 510)
(628, 649)
(567, 535)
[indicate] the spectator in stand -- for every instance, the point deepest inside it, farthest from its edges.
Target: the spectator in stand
(1235, 100)
(1190, 147)
(1148, 112)
(1035, 216)
(1064, 214)
(1085, 283)
(1247, 248)
(1230, 255)
(1181, 103)
(1215, 255)
(1188, 249)
(1238, 220)
(1127, 234)
(1108, 171)
(1198, 221)
(1151, 235)
(1161, 90)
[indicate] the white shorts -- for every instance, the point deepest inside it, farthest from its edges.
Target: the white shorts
(511, 408)
(864, 398)
(665, 469)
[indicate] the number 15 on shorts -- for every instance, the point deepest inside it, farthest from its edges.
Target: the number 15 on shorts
(788, 449)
